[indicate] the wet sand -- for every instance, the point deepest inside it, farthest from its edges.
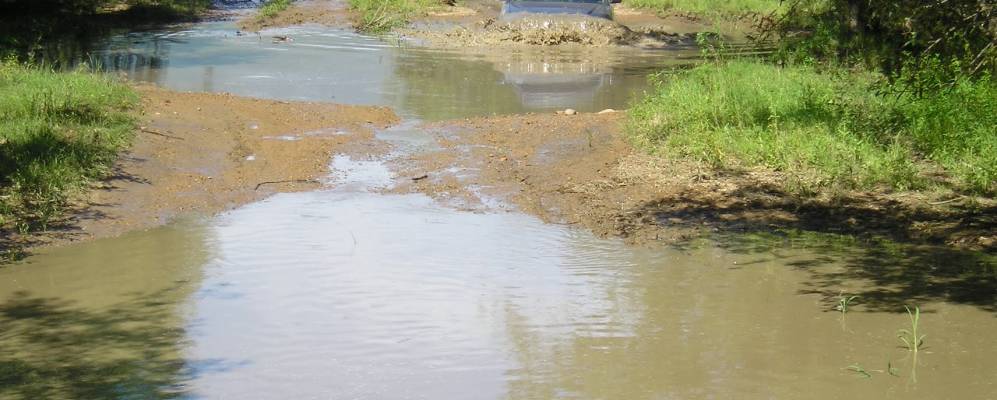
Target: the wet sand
(581, 170)
(200, 154)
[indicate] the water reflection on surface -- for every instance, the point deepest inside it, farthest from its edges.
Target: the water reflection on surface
(348, 293)
(104, 320)
(339, 66)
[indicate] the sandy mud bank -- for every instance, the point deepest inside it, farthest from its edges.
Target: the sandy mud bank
(581, 170)
(199, 154)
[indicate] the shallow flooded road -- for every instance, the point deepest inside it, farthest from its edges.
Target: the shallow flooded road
(320, 64)
(349, 292)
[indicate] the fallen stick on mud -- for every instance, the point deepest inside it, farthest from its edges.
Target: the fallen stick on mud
(160, 134)
(935, 203)
(286, 181)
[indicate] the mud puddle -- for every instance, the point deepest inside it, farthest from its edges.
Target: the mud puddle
(350, 292)
(356, 291)
(322, 64)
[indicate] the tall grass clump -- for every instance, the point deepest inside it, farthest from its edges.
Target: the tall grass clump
(822, 131)
(379, 16)
(911, 338)
(270, 8)
(957, 128)
(709, 7)
(831, 129)
(57, 132)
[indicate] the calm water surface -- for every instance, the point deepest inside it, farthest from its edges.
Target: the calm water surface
(339, 66)
(348, 293)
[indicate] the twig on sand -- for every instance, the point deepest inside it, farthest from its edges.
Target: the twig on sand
(286, 181)
(935, 203)
(160, 134)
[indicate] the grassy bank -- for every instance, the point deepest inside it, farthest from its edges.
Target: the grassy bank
(378, 16)
(57, 132)
(822, 130)
(709, 8)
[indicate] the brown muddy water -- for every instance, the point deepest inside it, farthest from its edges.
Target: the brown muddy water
(349, 292)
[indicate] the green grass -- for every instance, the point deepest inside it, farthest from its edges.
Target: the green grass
(957, 128)
(822, 130)
(57, 132)
(910, 337)
(844, 302)
(270, 8)
(379, 16)
(708, 7)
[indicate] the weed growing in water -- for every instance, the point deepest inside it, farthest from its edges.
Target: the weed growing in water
(894, 371)
(844, 302)
(910, 337)
(859, 370)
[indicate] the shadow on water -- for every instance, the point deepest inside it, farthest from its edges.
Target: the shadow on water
(885, 275)
(885, 255)
(53, 349)
(105, 320)
(62, 33)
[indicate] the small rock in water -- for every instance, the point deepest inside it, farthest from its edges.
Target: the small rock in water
(570, 111)
(607, 111)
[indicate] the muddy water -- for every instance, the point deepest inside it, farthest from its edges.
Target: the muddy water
(332, 65)
(350, 293)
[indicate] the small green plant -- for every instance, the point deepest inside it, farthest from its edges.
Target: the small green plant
(859, 370)
(378, 20)
(910, 337)
(844, 302)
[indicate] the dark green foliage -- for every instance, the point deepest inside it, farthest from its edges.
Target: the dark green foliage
(898, 37)
(51, 6)
(58, 33)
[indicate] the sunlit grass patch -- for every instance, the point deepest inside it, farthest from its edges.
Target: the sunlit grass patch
(57, 131)
(378, 16)
(822, 130)
(271, 8)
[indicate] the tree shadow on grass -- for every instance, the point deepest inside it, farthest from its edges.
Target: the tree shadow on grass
(51, 348)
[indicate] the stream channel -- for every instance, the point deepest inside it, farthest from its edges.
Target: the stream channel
(351, 293)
